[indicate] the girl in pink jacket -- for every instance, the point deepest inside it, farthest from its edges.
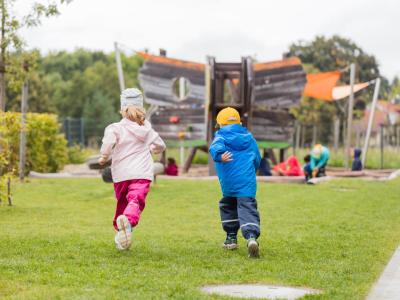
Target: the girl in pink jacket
(130, 142)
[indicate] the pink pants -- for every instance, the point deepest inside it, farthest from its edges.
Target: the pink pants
(131, 199)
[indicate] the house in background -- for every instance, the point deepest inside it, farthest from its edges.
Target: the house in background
(387, 115)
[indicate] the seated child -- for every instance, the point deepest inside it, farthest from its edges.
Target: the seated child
(172, 168)
(357, 164)
(265, 167)
(306, 167)
(291, 167)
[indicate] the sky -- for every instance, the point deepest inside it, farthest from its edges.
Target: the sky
(226, 29)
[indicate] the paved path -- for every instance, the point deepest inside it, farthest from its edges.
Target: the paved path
(388, 285)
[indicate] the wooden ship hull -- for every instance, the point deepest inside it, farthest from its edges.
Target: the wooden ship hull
(262, 92)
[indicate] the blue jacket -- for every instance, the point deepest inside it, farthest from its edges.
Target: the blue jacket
(321, 161)
(237, 177)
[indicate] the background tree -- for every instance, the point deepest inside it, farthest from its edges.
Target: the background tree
(328, 54)
(335, 53)
(10, 39)
(68, 83)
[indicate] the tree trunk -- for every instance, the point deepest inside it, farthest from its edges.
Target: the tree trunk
(3, 57)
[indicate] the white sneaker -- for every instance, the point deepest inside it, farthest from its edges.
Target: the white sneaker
(123, 238)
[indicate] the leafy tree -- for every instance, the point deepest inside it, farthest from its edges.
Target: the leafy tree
(98, 112)
(10, 39)
(327, 54)
(395, 90)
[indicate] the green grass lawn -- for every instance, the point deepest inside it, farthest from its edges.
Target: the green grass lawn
(57, 241)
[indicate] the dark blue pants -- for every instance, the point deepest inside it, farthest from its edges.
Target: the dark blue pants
(308, 172)
(240, 212)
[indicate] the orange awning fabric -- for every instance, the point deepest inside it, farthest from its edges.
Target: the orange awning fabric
(320, 85)
(340, 92)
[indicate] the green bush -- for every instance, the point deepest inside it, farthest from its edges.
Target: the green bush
(78, 155)
(46, 148)
(5, 171)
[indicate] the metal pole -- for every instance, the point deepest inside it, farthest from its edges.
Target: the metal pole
(382, 144)
(314, 134)
(22, 143)
(68, 130)
(82, 132)
(336, 132)
(182, 155)
(350, 114)
(119, 67)
(370, 120)
(297, 142)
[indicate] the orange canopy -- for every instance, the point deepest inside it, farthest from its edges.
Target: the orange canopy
(320, 85)
(343, 91)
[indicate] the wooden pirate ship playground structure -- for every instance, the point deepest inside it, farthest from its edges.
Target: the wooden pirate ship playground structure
(185, 98)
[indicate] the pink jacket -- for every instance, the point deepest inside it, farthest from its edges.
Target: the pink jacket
(130, 145)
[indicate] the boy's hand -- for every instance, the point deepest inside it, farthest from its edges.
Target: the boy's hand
(315, 172)
(226, 156)
(102, 160)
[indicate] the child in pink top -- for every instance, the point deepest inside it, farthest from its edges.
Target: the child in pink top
(130, 142)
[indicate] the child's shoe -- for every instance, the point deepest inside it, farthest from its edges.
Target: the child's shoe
(253, 248)
(231, 242)
(123, 238)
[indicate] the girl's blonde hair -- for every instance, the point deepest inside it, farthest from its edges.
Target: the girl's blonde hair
(135, 114)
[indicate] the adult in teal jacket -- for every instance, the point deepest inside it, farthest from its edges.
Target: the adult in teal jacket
(319, 159)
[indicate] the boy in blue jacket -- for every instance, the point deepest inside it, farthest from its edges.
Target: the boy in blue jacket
(237, 159)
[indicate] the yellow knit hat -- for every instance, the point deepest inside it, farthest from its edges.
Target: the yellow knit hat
(228, 116)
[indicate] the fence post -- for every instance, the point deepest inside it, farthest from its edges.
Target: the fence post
(297, 141)
(314, 134)
(22, 142)
(68, 130)
(336, 132)
(382, 142)
(350, 114)
(82, 132)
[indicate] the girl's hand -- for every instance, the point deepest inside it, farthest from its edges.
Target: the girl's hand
(102, 160)
(226, 157)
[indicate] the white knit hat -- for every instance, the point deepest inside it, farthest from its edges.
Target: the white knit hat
(131, 97)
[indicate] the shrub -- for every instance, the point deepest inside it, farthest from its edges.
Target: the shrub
(5, 171)
(46, 148)
(78, 155)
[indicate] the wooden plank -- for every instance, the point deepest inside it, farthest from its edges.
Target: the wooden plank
(269, 72)
(172, 61)
(167, 72)
(291, 61)
(299, 74)
(195, 128)
(188, 135)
